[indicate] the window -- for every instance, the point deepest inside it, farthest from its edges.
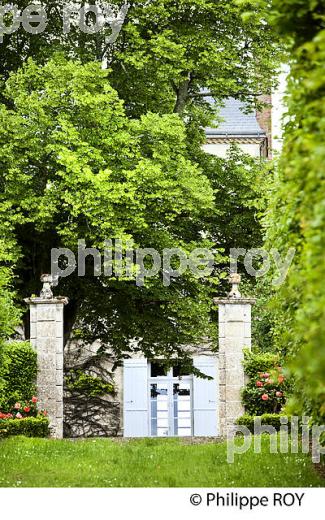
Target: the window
(170, 407)
(179, 371)
(157, 369)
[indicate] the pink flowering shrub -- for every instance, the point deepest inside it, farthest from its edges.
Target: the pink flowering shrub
(267, 389)
(23, 410)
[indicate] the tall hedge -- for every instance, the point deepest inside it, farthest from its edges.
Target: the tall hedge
(9, 313)
(296, 215)
(18, 372)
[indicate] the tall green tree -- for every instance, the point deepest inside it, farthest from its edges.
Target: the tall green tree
(74, 166)
(166, 51)
(77, 163)
(175, 48)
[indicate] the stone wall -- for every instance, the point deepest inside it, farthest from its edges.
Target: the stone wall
(100, 416)
(91, 417)
(85, 416)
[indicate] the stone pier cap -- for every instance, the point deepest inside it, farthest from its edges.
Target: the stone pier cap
(54, 299)
(239, 301)
(234, 297)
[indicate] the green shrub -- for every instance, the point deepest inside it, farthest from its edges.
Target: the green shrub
(30, 427)
(267, 388)
(255, 362)
(9, 314)
(18, 372)
(270, 419)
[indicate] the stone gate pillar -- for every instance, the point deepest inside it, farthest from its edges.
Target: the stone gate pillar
(46, 335)
(234, 336)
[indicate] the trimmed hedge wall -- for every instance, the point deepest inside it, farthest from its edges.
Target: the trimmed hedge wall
(255, 362)
(270, 419)
(30, 427)
(18, 370)
(295, 216)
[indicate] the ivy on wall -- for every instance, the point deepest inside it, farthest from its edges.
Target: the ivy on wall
(91, 386)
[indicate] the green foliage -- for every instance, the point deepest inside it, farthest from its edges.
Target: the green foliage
(267, 388)
(238, 184)
(170, 50)
(299, 19)
(296, 213)
(73, 165)
(166, 51)
(88, 385)
(255, 362)
(269, 419)
(18, 374)
(29, 427)
(9, 314)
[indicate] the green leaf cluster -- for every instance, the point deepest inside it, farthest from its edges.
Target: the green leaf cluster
(73, 165)
(269, 419)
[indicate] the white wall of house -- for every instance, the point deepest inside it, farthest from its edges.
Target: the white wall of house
(278, 110)
(221, 149)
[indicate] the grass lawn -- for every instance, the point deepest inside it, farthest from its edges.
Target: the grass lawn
(146, 463)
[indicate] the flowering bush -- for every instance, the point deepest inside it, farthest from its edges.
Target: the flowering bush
(267, 389)
(23, 410)
(5, 416)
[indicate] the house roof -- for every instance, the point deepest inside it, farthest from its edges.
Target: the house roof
(235, 122)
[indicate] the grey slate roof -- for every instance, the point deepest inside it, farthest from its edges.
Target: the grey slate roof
(235, 122)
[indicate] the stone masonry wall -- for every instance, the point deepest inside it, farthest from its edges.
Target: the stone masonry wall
(85, 416)
(100, 416)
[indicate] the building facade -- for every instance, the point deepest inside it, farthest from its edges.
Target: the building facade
(250, 130)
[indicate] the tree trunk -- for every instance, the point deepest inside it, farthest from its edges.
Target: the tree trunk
(181, 96)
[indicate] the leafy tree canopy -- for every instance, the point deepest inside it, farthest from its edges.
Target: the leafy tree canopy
(77, 162)
(166, 52)
(74, 166)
